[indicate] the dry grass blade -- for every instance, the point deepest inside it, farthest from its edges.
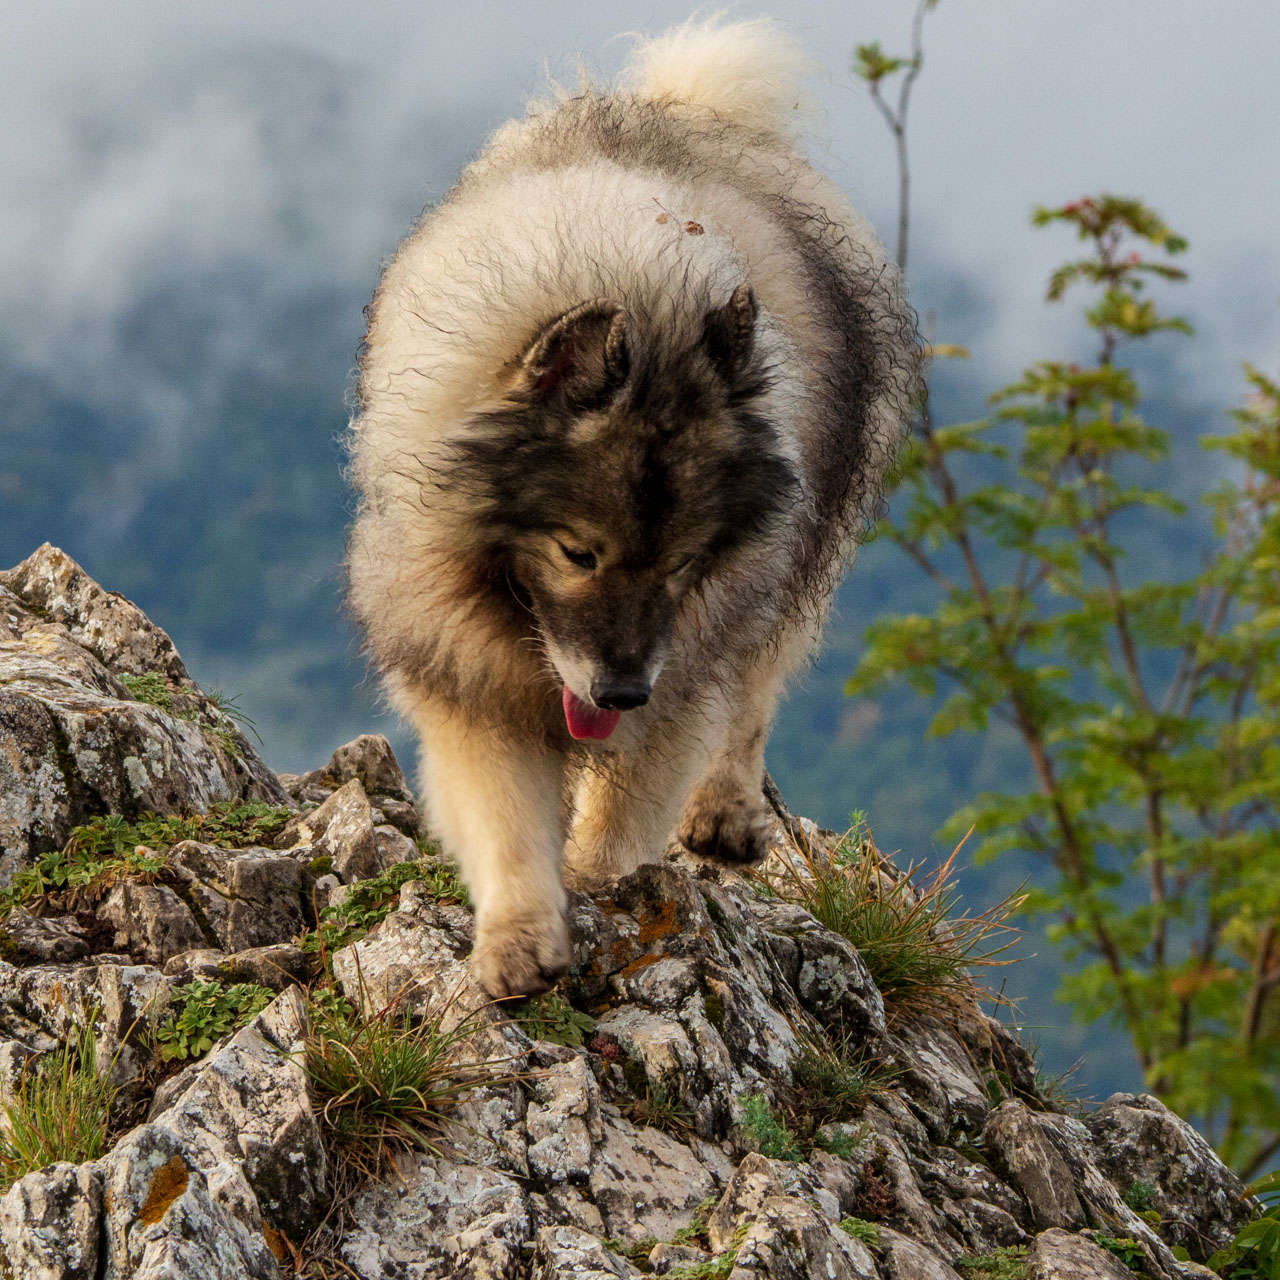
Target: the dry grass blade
(918, 949)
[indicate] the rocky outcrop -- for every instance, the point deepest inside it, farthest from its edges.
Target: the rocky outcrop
(647, 1117)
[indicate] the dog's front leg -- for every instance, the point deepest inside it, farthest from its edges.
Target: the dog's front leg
(496, 804)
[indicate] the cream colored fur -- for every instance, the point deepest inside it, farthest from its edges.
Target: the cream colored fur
(516, 243)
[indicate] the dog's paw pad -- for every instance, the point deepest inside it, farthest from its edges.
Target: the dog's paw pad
(520, 959)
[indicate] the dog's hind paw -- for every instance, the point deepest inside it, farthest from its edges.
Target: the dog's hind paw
(725, 825)
(520, 957)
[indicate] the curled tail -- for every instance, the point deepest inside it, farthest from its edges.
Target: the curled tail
(745, 72)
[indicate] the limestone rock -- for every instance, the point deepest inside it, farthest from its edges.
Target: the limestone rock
(790, 1240)
(1138, 1140)
(568, 1251)
(49, 1224)
(74, 741)
(1058, 1255)
(45, 938)
(1033, 1166)
(151, 922)
(341, 829)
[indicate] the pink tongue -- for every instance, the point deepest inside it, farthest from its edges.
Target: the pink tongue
(586, 721)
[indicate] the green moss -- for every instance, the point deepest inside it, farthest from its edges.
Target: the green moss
(1008, 1263)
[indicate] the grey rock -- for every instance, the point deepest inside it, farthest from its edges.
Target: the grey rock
(675, 1257)
(757, 1180)
(1032, 1164)
(340, 829)
(45, 939)
(563, 1122)
(243, 899)
(1058, 1255)
(151, 922)
(279, 966)
(790, 1240)
(907, 1259)
(73, 740)
(161, 1220)
(1137, 1139)
(245, 1118)
(370, 759)
(203, 964)
(49, 1224)
(437, 1218)
(568, 1251)
(393, 845)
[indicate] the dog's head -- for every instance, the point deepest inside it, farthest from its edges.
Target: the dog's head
(621, 470)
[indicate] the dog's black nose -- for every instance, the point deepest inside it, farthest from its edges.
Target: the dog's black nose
(619, 695)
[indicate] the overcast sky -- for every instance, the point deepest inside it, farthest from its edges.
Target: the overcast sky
(150, 141)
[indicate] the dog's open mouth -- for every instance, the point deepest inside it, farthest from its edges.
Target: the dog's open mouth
(586, 721)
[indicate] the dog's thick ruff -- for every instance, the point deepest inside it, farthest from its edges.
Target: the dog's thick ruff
(625, 404)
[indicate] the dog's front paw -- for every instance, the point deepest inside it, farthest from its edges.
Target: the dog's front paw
(723, 823)
(520, 957)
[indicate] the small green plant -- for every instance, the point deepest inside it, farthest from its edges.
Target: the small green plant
(766, 1131)
(1127, 1249)
(695, 1231)
(660, 1109)
(1254, 1254)
(1007, 1263)
(383, 1080)
(110, 847)
(370, 901)
(717, 1268)
(917, 948)
(839, 1142)
(635, 1252)
(207, 1011)
(551, 1017)
(1140, 1196)
(61, 1109)
(834, 1081)
(860, 1229)
(151, 689)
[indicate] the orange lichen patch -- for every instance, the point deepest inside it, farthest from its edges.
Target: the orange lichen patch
(640, 962)
(660, 925)
(168, 1184)
(277, 1243)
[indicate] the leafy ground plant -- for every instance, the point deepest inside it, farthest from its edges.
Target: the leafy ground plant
(370, 901)
(918, 949)
(60, 1110)
(207, 1011)
(551, 1017)
(860, 1229)
(765, 1130)
(1254, 1254)
(1007, 1263)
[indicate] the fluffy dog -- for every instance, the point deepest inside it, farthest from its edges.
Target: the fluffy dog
(625, 402)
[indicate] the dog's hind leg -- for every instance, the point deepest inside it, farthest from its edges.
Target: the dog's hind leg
(496, 804)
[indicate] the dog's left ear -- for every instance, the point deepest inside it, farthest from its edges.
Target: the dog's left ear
(729, 334)
(580, 358)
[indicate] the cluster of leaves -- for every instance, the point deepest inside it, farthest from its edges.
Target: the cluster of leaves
(207, 1011)
(550, 1016)
(60, 1109)
(1149, 711)
(765, 1129)
(1006, 1263)
(659, 1108)
(718, 1268)
(369, 902)
(1254, 1254)
(110, 848)
(918, 949)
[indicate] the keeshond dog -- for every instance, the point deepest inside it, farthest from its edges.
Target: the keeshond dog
(624, 406)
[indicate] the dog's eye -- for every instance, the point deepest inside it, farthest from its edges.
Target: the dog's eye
(681, 567)
(583, 559)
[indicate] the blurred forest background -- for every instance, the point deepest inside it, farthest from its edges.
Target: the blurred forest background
(194, 213)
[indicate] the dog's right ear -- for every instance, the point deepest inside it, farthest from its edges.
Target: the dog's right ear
(581, 358)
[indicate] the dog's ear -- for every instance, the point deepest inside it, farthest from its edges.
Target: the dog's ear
(580, 358)
(729, 334)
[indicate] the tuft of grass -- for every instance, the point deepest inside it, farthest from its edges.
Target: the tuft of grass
(385, 1080)
(151, 689)
(766, 1130)
(1006, 1263)
(660, 1109)
(834, 1081)
(1140, 1195)
(207, 1011)
(61, 1109)
(917, 948)
(860, 1229)
(551, 1017)
(637, 1254)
